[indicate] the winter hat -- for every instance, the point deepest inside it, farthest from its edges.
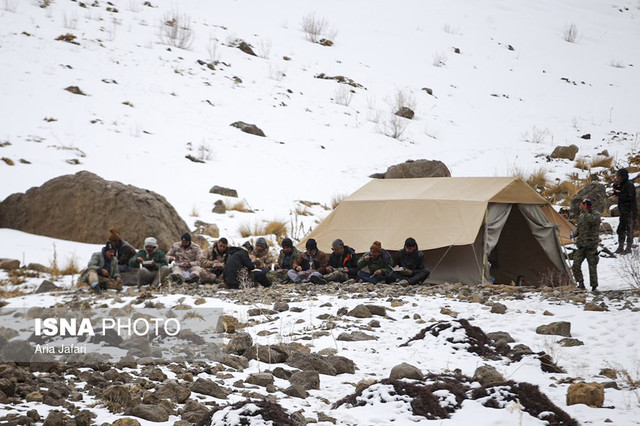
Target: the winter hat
(623, 173)
(248, 246)
(337, 243)
(311, 244)
(114, 235)
(376, 247)
(410, 242)
(186, 237)
(109, 246)
(287, 243)
(150, 241)
(262, 242)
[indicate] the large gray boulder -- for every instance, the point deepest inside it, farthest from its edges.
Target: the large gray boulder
(594, 191)
(67, 207)
(417, 169)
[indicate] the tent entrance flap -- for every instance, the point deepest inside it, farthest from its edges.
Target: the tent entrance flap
(456, 264)
(525, 247)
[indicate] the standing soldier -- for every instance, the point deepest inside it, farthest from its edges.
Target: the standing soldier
(587, 243)
(626, 192)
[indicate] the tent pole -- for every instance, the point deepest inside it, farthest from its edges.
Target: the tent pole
(484, 246)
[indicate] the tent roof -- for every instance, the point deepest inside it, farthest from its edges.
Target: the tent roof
(437, 212)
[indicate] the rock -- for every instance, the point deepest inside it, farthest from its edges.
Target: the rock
(8, 264)
(47, 286)
(296, 391)
(270, 354)
(560, 328)
(219, 207)
(569, 342)
(34, 397)
(609, 372)
(282, 373)
(566, 152)
(591, 394)
(238, 363)
(194, 411)
(173, 391)
(7, 334)
(498, 308)
(314, 362)
(260, 379)
(498, 336)
(248, 128)
(417, 168)
(322, 417)
(405, 371)
(596, 192)
(405, 112)
(39, 268)
(62, 208)
(377, 310)
(374, 324)
(151, 412)
(209, 387)
(593, 307)
(356, 336)
(118, 395)
(126, 422)
(360, 311)
(487, 375)
(246, 48)
(239, 343)
(209, 229)
(518, 351)
(281, 306)
(17, 350)
(308, 379)
(226, 192)
(341, 364)
(55, 418)
(254, 312)
(447, 311)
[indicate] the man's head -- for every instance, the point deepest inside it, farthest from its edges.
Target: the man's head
(287, 245)
(622, 175)
(114, 236)
(337, 246)
(311, 246)
(222, 245)
(261, 245)
(150, 244)
(586, 204)
(410, 245)
(376, 249)
(109, 250)
(185, 240)
(247, 246)
(564, 212)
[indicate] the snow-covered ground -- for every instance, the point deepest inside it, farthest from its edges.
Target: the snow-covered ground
(515, 90)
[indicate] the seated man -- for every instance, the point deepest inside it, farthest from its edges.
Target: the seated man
(343, 263)
(148, 262)
(287, 257)
(240, 270)
(261, 255)
(311, 266)
(124, 250)
(186, 257)
(374, 265)
(213, 260)
(102, 271)
(409, 264)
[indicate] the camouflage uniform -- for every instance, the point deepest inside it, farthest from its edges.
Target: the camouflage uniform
(283, 264)
(263, 259)
(587, 243)
(191, 254)
(212, 263)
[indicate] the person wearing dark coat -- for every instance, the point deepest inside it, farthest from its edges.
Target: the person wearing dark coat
(237, 260)
(409, 264)
(626, 192)
(343, 263)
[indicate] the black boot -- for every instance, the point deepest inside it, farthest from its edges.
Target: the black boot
(581, 285)
(620, 248)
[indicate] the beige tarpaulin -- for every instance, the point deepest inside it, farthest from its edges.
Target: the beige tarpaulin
(444, 215)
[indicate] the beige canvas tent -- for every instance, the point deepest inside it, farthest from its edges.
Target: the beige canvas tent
(471, 229)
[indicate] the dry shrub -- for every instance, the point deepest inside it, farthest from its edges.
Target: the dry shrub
(336, 199)
(559, 191)
(582, 163)
(302, 211)
(277, 228)
(70, 267)
(538, 179)
(176, 30)
(602, 161)
(240, 206)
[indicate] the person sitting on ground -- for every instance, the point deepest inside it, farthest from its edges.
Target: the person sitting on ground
(374, 265)
(213, 261)
(287, 257)
(409, 264)
(186, 257)
(124, 250)
(343, 263)
(148, 263)
(240, 270)
(311, 266)
(564, 212)
(102, 271)
(261, 255)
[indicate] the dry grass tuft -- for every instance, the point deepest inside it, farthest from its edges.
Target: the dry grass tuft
(559, 191)
(240, 206)
(538, 179)
(582, 163)
(302, 211)
(602, 161)
(336, 199)
(277, 228)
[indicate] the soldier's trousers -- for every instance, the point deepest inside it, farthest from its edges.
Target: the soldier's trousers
(591, 254)
(625, 228)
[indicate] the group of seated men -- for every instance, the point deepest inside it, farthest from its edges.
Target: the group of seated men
(238, 266)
